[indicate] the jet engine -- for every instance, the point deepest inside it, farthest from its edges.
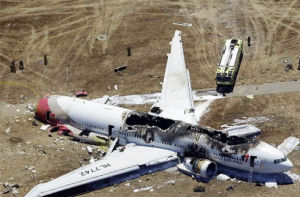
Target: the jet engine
(202, 167)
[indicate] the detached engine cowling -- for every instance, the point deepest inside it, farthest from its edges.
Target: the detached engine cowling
(203, 167)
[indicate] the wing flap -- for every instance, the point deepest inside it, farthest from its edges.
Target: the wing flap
(118, 162)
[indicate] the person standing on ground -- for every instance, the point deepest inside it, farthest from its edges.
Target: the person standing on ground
(12, 67)
(45, 60)
(21, 65)
(249, 41)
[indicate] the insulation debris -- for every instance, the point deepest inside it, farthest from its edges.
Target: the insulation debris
(271, 184)
(89, 149)
(101, 37)
(45, 127)
(7, 130)
(223, 177)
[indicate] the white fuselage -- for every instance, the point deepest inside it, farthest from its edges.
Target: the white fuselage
(113, 121)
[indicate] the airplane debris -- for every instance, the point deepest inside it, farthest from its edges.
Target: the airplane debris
(144, 189)
(183, 24)
(30, 168)
(30, 107)
(271, 184)
(199, 189)
(101, 37)
(154, 76)
(249, 96)
(45, 127)
(127, 184)
(81, 93)
(120, 69)
(89, 149)
(7, 130)
(34, 123)
(92, 160)
(230, 188)
(10, 188)
(223, 177)
(288, 145)
(288, 67)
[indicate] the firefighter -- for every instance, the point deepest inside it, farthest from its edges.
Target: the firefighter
(12, 67)
(128, 51)
(45, 60)
(21, 65)
(249, 41)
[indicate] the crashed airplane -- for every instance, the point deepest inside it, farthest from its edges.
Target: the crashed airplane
(147, 142)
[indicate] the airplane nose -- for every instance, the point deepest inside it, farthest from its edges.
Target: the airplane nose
(286, 166)
(42, 109)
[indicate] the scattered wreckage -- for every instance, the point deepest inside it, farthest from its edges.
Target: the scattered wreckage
(143, 143)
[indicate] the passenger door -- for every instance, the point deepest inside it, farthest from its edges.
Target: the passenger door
(257, 164)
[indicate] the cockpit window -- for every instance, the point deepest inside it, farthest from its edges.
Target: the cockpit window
(276, 161)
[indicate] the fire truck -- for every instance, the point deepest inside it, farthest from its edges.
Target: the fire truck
(230, 61)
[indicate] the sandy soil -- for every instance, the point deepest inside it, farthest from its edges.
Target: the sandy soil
(66, 31)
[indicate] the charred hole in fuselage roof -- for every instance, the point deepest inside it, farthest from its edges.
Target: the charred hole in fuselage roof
(138, 118)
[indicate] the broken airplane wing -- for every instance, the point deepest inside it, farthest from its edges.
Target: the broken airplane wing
(121, 161)
(176, 98)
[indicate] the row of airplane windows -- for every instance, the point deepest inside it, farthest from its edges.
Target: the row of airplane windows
(130, 134)
(229, 157)
(92, 126)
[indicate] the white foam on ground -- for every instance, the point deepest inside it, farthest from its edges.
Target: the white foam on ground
(202, 108)
(166, 183)
(246, 120)
(293, 176)
(141, 99)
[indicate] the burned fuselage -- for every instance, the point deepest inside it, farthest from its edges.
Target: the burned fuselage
(186, 139)
(82, 116)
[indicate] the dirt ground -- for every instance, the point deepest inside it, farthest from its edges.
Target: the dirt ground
(67, 31)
